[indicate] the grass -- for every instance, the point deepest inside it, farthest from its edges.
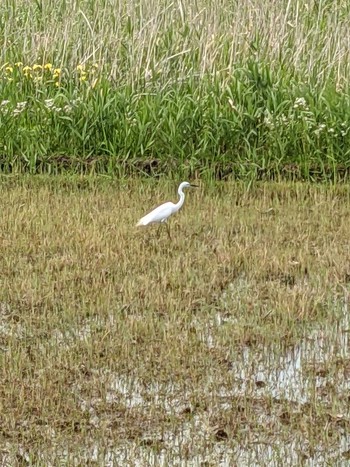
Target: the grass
(118, 346)
(223, 90)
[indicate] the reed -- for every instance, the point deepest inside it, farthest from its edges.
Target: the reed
(222, 89)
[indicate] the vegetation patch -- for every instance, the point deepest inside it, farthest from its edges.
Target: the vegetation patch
(228, 342)
(256, 91)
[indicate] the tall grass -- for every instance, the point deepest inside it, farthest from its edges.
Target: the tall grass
(214, 88)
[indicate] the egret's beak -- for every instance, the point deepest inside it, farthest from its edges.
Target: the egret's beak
(194, 186)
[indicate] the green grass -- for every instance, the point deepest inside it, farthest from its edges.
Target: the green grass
(220, 90)
(120, 346)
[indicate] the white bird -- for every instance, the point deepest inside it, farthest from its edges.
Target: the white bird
(162, 212)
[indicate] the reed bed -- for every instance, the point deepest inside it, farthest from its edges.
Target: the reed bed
(221, 89)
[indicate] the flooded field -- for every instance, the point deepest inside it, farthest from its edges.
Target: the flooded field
(227, 345)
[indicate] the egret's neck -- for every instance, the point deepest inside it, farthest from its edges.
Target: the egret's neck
(181, 200)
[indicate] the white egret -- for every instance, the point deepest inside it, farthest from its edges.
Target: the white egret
(162, 212)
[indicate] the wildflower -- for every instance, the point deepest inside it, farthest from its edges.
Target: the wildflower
(268, 122)
(283, 119)
(232, 104)
(9, 69)
(83, 77)
(48, 103)
(300, 103)
(80, 68)
(48, 66)
(37, 67)
(56, 73)
(320, 128)
(345, 128)
(3, 107)
(18, 64)
(19, 108)
(269, 119)
(27, 69)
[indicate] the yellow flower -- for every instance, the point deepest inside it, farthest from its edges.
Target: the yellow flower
(80, 68)
(9, 69)
(56, 73)
(48, 66)
(57, 83)
(27, 69)
(83, 77)
(37, 67)
(18, 64)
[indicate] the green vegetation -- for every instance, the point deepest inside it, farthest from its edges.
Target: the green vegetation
(218, 89)
(118, 348)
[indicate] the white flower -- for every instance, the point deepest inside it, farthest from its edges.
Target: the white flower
(268, 122)
(300, 102)
(232, 104)
(320, 128)
(48, 103)
(283, 118)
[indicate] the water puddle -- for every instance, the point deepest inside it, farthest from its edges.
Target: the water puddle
(278, 386)
(313, 371)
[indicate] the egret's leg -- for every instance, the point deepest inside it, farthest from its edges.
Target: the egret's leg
(159, 228)
(168, 230)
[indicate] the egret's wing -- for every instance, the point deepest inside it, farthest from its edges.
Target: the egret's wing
(158, 214)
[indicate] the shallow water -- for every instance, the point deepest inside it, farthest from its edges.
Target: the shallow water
(300, 375)
(275, 381)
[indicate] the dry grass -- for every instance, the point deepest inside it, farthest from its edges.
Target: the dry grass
(114, 342)
(144, 39)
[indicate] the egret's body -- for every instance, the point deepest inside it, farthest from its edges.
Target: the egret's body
(164, 211)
